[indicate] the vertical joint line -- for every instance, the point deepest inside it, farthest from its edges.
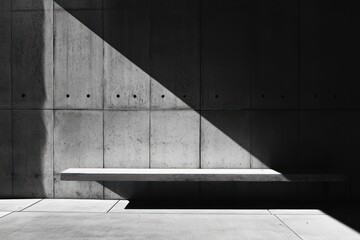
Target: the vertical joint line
(11, 99)
(150, 79)
(200, 77)
(103, 89)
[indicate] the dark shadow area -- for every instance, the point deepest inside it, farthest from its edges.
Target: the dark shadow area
(287, 63)
(26, 156)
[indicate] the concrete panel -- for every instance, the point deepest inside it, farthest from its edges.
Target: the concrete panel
(5, 154)
(78, 59)
(72, 205)
(32, 4)
(174, 139)
(78, 142)
(33, 153)
(126, 85)
(12, 205)
(127, 53)
(275, 54)
(32, 59)
(34, 225)
(225, 139)
(324, 64)
(175, 54)
(274, 140)
(322, 141)
(315, 227)
(126, 136)
(5, 57)
(225, 28)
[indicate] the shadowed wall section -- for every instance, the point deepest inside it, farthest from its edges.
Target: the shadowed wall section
(178, 84)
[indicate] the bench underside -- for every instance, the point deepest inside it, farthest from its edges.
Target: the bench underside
(192, 175)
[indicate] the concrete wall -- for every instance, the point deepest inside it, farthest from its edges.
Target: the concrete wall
(178, 84)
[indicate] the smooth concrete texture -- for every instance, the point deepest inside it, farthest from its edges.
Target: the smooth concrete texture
(33, 153)
(78, 142)
(126, 85)
(13, 205)
(32, 61)
(175, 55)
(174, 139)
(5, 56)
(316, 227)
(33, 225)
(126, 139)
(72, 205)
(5, 153)
(228, 147)
(2, 214)
(225, 78)
(78, 59)
(275, 33)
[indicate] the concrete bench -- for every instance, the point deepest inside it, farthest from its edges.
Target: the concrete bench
(197, 175)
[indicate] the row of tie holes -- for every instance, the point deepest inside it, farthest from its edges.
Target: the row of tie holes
(163, 96)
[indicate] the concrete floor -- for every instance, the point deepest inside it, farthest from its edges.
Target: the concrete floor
(109, 219)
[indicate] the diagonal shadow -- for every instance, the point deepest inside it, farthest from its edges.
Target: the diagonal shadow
(166, 41)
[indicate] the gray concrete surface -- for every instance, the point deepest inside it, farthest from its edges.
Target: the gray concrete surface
(32, 61)
(175, 139)
(2, 214)
(126, 139)
(72, 205)
(33, 153)
(5, 56)
(78, 142)
(215, 138)
(109, 219)
(126, 85)
(198, 54)
(13, 205)
(315, 227)
(78, 60)
(5, 153)
(34, 225)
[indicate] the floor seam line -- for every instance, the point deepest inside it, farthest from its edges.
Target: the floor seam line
(31, 205)
(113, 206)
(288, 226)
(7, 214)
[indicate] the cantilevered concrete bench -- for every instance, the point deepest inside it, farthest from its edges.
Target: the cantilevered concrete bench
(197, 175)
